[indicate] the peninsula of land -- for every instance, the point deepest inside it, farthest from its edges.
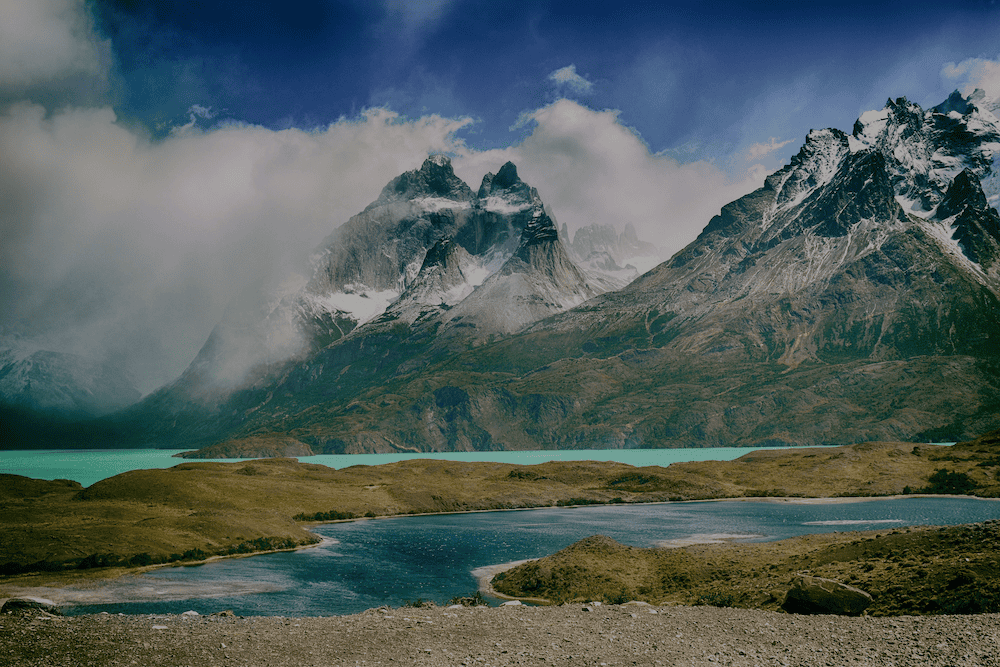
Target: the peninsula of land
(58, 531)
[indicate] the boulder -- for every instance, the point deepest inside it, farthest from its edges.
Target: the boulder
(816, 595)
(28, 606)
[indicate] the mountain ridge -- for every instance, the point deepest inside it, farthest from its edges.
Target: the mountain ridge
(854, 296)
(820, 309)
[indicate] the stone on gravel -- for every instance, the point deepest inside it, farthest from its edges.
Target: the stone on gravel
(816, 595)
(29, 605)
(488, 636)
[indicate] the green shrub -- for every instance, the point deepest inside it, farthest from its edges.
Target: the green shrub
(578, 501)
(950, 482)
(621, 597)
(140, 560)
(97, 560)
(419, 602)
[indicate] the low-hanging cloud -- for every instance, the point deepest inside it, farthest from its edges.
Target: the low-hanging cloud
(591, 169)
(758, 150)
(120, 247)
(126, 249)
(975, 73)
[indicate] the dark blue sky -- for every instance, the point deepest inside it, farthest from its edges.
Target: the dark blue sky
(700, 78)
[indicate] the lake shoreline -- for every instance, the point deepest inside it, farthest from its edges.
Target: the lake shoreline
(181, 515)
(75, 587)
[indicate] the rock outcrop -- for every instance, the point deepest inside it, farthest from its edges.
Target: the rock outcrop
(816, 595)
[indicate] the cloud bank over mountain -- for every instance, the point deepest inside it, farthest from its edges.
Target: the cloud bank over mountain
(118, 245)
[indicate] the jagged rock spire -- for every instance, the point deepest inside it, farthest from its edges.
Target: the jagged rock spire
(434, 178)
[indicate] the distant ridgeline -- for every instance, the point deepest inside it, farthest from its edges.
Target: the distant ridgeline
(853, 297)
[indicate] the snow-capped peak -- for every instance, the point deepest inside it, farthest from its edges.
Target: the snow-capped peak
(926, 149)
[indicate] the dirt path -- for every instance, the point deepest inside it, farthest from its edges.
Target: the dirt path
(511, 635)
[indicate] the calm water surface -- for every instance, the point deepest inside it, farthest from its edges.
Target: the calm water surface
(365, 564)
(91, 465)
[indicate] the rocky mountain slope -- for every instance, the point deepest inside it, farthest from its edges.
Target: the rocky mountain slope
(603, 249)
(853, 297)
(45, 381)
(51, 398)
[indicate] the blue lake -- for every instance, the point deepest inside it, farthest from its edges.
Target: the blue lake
(369, 563)
(91, 465)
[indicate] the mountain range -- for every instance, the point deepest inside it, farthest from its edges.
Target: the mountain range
(855, 296)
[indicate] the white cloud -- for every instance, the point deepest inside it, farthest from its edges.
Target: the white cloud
(42, 40)
(195, 111)
(755, 151)
(590, 168)
(568, 77)
(120, 247)
(130, 248)
(974, 73)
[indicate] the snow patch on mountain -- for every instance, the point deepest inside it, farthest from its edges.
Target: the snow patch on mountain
(991, 182)
(357, 301)
(868, 128)
(943, 232)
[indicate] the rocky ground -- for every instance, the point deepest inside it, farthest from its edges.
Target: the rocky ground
(573, 634)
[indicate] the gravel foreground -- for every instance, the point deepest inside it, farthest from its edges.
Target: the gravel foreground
(628, 634)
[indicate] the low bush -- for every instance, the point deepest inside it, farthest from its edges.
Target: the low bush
(578, 501)
(332, 515)
(950, 482)
(474, 600)
(716, 600)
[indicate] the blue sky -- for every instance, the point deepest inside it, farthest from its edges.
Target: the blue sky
(156, 158)
(700, 79)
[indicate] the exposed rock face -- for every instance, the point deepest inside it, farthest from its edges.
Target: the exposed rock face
(816, 595)
(976, 225)
(538, 280)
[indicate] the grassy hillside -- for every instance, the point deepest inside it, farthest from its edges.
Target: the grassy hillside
(908, 571)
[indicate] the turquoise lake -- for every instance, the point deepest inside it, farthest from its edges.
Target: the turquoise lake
(91, 465)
